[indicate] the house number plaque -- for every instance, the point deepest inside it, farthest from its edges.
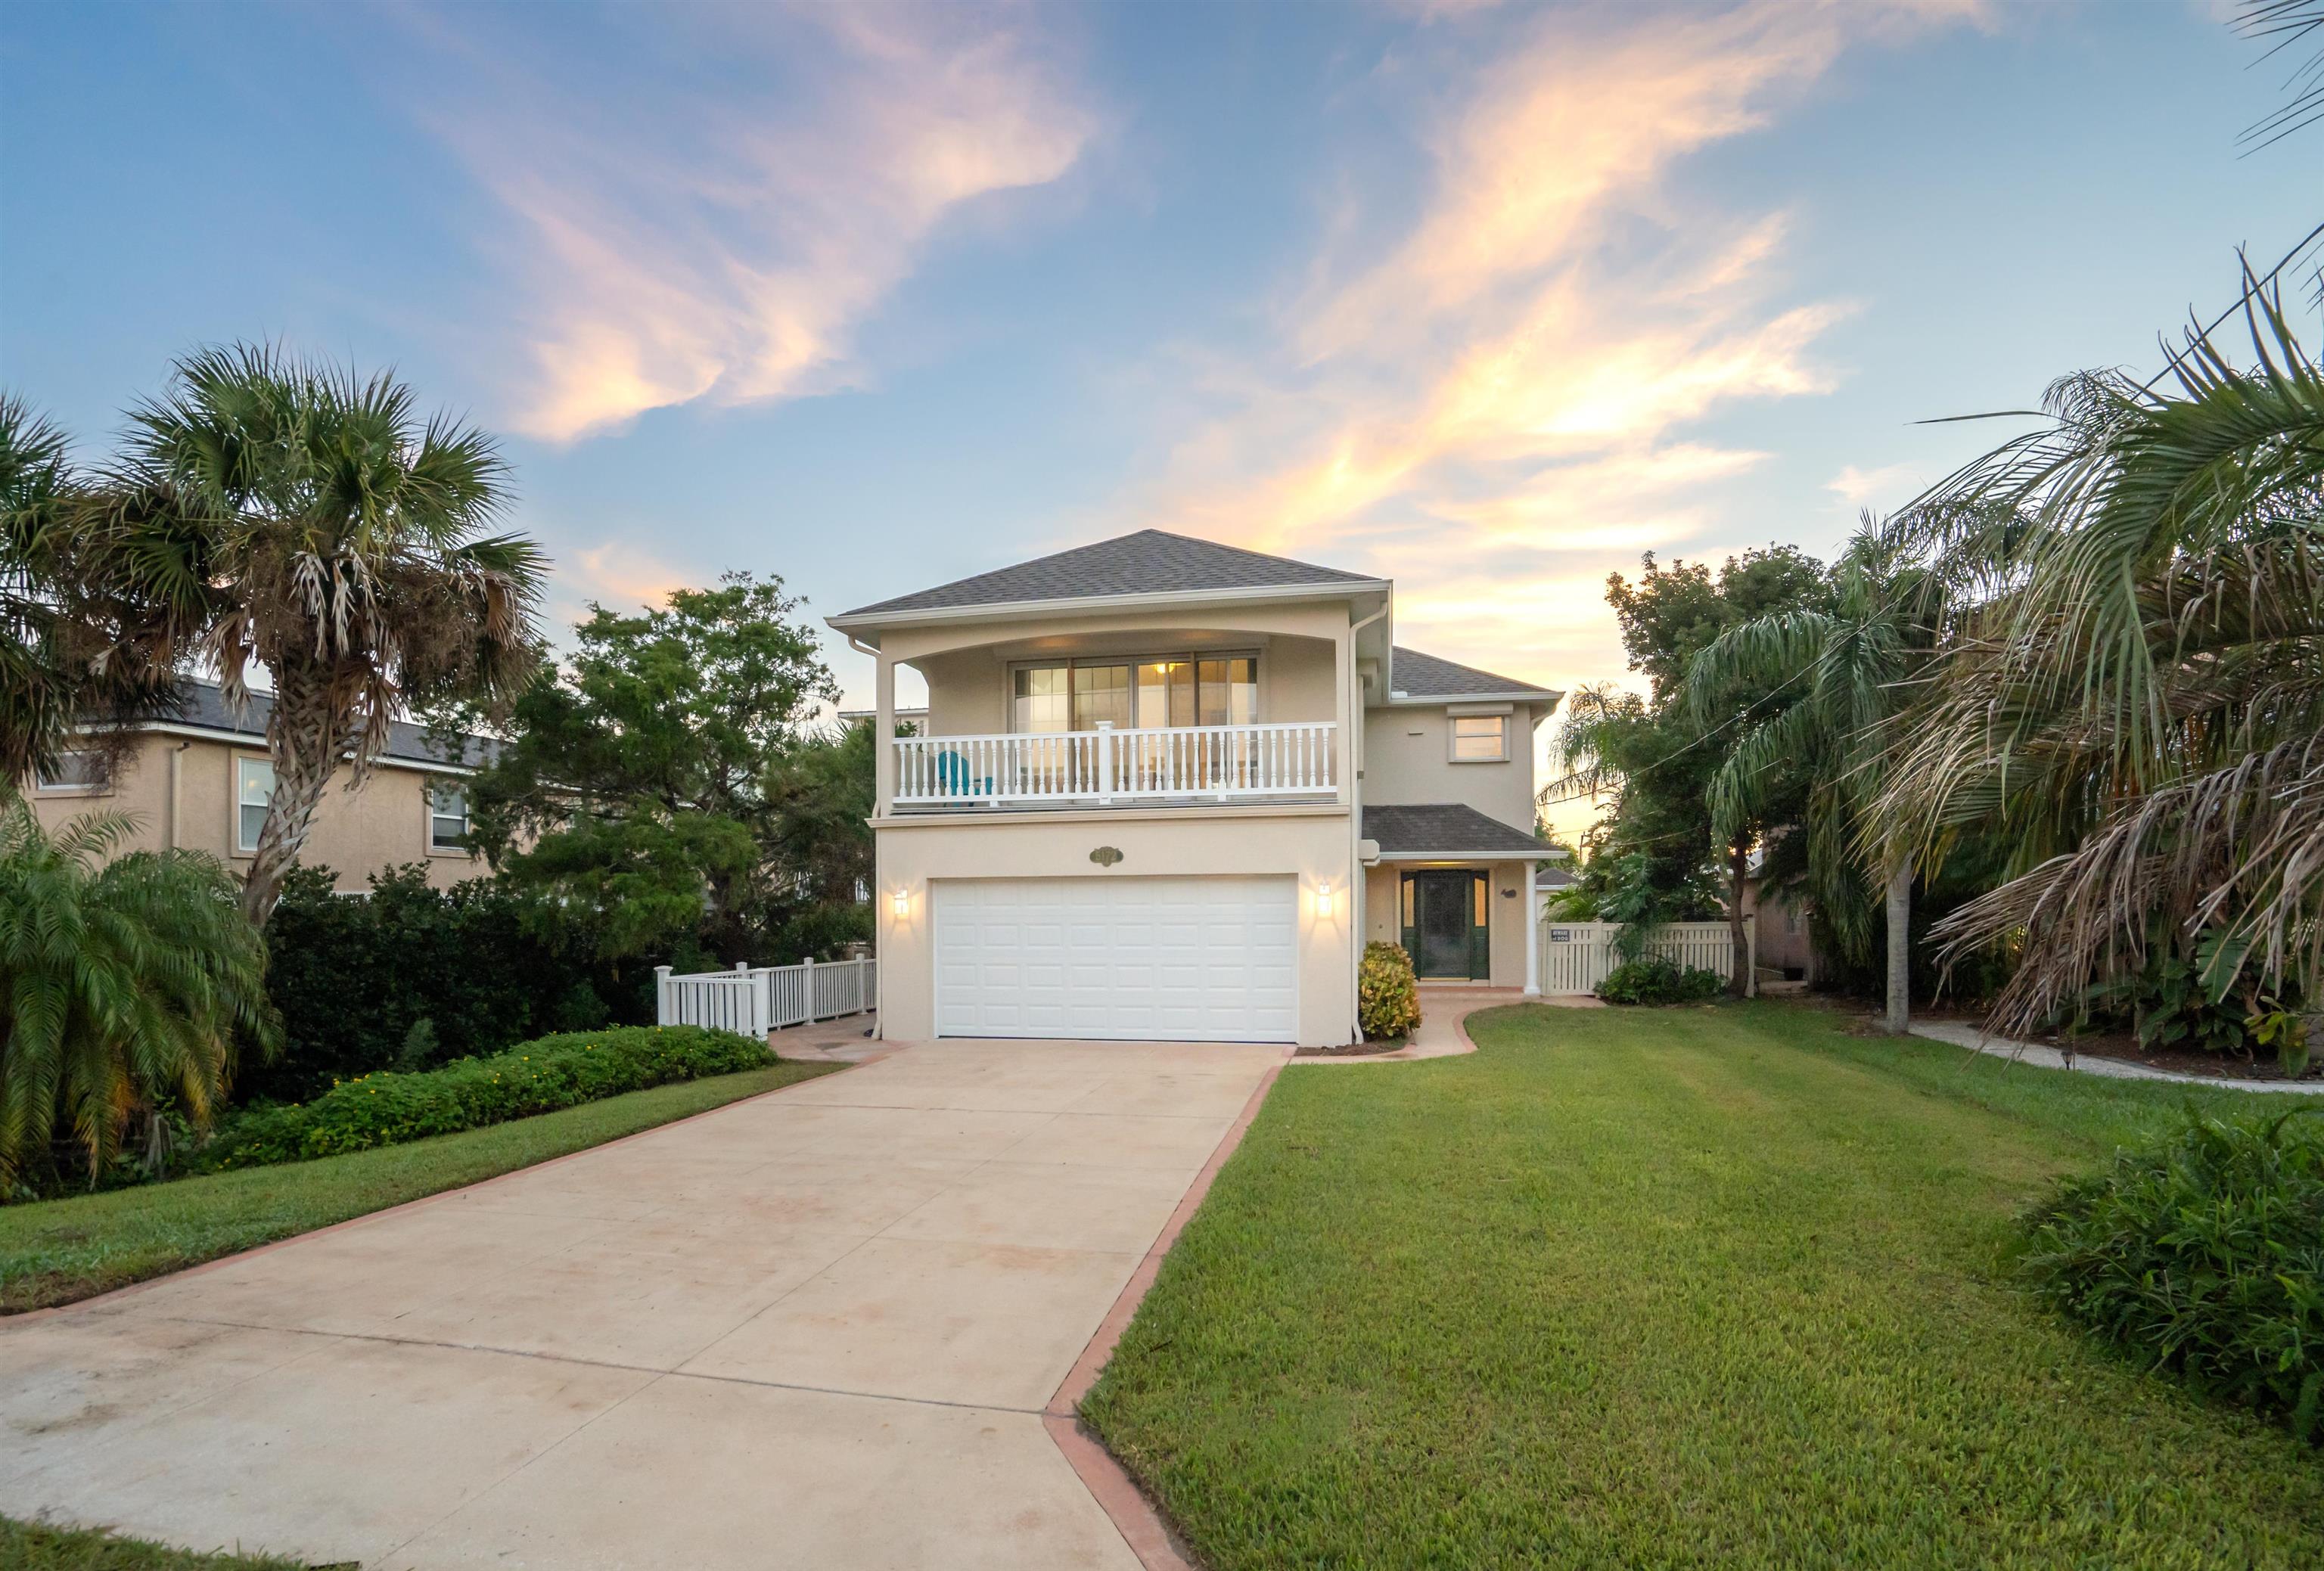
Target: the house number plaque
(1106, 856)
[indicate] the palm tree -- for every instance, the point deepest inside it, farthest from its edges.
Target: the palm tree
(2143, 709)
(315, 526)
(81, 645)
(1841, 677)
(126, 984)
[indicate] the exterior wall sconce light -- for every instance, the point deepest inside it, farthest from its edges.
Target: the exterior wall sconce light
(902, 904)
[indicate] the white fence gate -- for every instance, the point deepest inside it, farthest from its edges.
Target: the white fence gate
(757, 1000)
(1575, 956)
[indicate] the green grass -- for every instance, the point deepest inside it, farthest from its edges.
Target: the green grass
(38, 1547)
(1715, 1286)
(53, 1252)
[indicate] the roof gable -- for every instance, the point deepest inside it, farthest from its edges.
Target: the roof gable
(1149, 561)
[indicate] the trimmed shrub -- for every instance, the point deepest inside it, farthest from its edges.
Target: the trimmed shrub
(1652, 980)
(536, 1077)
(1388, 993)
(2203, 1254)
(486, 966)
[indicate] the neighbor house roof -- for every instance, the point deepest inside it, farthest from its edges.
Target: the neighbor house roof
(1556, 877)
(1429, 832)
(1149, 561)
(1414, 675)
(202, 706)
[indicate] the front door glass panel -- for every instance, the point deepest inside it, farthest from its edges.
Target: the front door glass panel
(1445, 911)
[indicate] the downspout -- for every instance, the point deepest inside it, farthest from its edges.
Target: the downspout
(176, 773)
(1358, 878)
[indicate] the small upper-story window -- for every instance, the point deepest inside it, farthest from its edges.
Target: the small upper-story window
(253, 789)
(82, 774)
(1481, 739)
(448, 817)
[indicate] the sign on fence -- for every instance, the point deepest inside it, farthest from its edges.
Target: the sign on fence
(1575, 956)
(757, 1000)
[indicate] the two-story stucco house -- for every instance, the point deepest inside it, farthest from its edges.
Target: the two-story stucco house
(201, 778)
(1165, 789)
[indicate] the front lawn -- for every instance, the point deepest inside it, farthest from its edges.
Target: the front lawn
(39, 1547)
(1695, 1287)
(53, 1252)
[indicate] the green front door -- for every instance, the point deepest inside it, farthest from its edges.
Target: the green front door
(1444, 929)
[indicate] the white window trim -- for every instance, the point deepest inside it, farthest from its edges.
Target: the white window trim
(235, 803)
(1258, 678)
(103, 787)
(1452, 731)
(428, 816)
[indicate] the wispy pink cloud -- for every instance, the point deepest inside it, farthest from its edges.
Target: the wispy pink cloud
(730, 246)
(1493, 403)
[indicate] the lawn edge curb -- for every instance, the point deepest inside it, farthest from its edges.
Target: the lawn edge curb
(127, 1288)
(1134, 1516)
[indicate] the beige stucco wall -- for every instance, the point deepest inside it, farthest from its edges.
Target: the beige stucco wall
(1315, 846)
(355, 834)
(1407, 759)
(1506, 922)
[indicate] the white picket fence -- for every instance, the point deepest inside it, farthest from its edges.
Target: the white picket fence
(757, 1000)
(1575, 956)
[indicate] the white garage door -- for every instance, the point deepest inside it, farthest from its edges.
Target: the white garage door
(1167, 960)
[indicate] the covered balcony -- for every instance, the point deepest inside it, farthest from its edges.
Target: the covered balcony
(1122, 720)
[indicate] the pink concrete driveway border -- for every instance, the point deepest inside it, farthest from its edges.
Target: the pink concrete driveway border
(1141, 1527)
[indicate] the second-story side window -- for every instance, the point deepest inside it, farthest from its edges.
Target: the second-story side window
(78, 774)
(448, 817)
(253, 789)
(1481, 739)
(1044, 698)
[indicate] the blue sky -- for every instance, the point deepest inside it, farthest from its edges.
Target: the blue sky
(1485, 297)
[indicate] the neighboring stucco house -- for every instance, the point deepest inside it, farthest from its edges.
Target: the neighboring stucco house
(202, 779)
(1167, 789)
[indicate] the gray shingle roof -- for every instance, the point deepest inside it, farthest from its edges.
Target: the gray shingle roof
(204, 704)
(1449, 829)
(1149, 561)
(1556, 877)
(1417, 675)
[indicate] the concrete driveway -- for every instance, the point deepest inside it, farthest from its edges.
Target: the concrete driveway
(816, 1329)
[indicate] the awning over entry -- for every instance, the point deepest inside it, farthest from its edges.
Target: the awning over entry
(1446, 832)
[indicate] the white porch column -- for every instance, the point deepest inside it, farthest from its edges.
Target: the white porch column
(883, 738)
(1533, 933)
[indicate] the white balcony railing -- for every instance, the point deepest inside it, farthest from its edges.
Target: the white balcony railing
(1223, 763)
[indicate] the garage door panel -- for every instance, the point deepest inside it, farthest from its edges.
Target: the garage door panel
(1165, 957)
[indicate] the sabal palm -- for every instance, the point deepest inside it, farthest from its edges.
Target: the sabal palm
(126, 982)
(1840, 677)
(2144, 709)
(80, 642)
(321, 529)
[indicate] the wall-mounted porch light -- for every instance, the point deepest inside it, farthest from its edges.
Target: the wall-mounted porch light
(902, 902)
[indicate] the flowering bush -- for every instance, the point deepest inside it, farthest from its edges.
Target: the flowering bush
(533, 1077)
(1387, 995)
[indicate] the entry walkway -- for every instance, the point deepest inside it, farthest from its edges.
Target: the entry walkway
(816, 1328)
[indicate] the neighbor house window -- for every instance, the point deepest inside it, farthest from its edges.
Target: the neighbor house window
(448, 817)
(253, 788)
(84, 773)
(1478, 739)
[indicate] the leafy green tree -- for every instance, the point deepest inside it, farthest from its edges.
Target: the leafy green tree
(128, 982)
(1652, 856)
(821, 795)
(644, 784)
(1821, 685)
(297, 517)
